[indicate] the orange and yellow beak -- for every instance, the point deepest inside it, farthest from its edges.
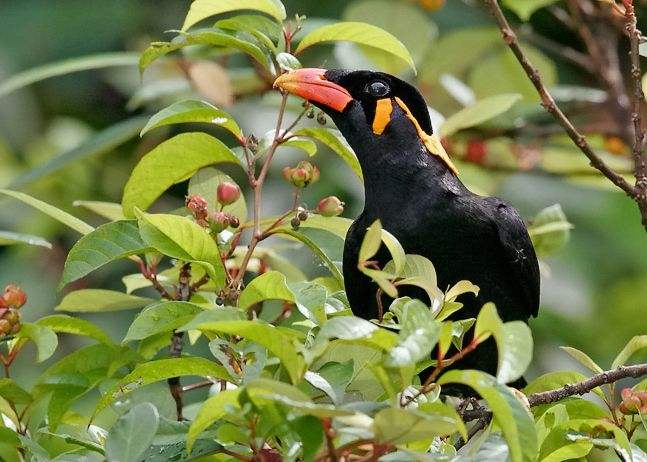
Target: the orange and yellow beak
(311, 85)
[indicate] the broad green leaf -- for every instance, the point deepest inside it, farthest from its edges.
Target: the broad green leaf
(304, 144)
(205, 184)
(582, 358)
(169, 163)
(9, 238)
(525, 8)
(396, 251)
(419, 271)
(162, 317)
(107, 243)
(346, 328)
(509, 413)
(99, 300)
(202, 9)
(43, 336)
(180, 237)
(500, 73)
(50, 210)
(361, 33)
(67, 66)
(103, 142)
(402, 19)
(288, 62)
(371, 242)
(162, 369)
(110, 210)
(419, 333)
(336, 142)
(276, 340)
(322, 243)
(211, 411)
(398, 426)
(61, 323)
(206, 318)
(132, 434)
(261, 27)
(13, 392)
(211, 37)
(513, 341)
(481, 111)
(193, 111)
(268, 286)
(637, 343)
(549, 230)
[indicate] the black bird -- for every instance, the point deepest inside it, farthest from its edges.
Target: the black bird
(412, 186)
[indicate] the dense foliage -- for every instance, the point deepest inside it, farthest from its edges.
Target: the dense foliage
(291, 374)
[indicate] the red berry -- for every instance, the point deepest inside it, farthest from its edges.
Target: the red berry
(228, 193)
(14, 297)
(476, 151)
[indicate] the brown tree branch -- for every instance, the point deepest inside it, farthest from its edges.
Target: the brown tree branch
(579, 388)
(549, 103)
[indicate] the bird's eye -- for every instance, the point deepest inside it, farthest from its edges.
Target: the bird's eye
(377, 89)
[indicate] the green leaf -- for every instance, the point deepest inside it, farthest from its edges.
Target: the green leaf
(169, 163)
(110, 210)
(268, 286)
(132, 434)
(205, 184)
(549, 230)
(13, 392)
(67, 66)
(202, 9)
(50, 210)
(321, 242)
(261, 27)
(61, 323)
(346, 328)
(107, 243)
(211, 37)
(419, 333)
(479, 112)
(162, 369)
(525, 8)
(635, 344)
(188, 111)
(9, 238)
(211, 411)
(396, 250)
(206, 318)
(583, 359)
(336, 142)
(398, 426)
(44, 338)
(371, 242)
(162, 317)
(513, 341)
(179, 237)
(288, 62)
(99, 300)
(306, 145)
(100, 143)
(361, 33)
(509, 413)
(276, 340)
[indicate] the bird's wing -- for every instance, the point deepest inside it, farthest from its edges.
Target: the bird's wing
(518, 252)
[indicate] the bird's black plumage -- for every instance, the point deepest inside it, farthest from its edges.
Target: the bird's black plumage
(421, 201)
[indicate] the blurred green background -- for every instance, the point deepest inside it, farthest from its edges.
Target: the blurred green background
(594, 290)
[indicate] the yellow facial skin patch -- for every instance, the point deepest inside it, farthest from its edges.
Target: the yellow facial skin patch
(431, 142)
(383, 111)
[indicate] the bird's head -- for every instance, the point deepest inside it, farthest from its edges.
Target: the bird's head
(376, 112)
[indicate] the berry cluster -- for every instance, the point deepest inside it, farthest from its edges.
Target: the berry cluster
(633, 401)
(302, 175)
(10, 302)
(227, 194)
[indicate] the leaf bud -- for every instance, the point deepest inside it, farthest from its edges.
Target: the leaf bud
(228, 193)
(330, 206)
(14, 297)
(218, 221)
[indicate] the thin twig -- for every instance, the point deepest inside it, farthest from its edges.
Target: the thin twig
(183, 294)
(197, 385)
(549, 103)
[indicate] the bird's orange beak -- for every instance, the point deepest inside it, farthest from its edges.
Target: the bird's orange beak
(311, 85)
